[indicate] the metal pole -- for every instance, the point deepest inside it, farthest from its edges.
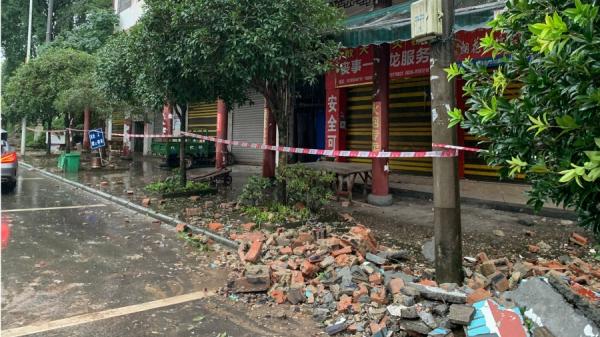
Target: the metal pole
(27, 56)
(49, 21)
(446, 192)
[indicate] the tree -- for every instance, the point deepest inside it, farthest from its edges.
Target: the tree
(551, 131)
(67, 14)
(33, 90)
(270, 46)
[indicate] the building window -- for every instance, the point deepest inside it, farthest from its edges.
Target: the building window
(124, 4)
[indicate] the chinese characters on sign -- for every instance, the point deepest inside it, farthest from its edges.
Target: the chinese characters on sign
(408, 59)
(355, 66)
(96, 138)
(376, 129)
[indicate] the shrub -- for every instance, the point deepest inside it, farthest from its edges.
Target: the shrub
(302, 185)
(171, 185)
(551, 131)
(257, 192)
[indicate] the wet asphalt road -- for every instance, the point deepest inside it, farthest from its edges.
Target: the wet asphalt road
(95, 256)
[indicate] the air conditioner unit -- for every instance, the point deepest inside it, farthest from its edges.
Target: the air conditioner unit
(426, 19)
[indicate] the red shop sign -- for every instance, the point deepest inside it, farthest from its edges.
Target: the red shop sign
(355, 66)
(409, 59)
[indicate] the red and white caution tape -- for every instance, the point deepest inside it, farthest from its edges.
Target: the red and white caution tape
(131, 135)
(456, 147)
(329, 153)
(51, 131)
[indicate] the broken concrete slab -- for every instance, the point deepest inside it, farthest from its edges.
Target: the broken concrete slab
(546, 307)
(439, 294)
(590, 309)
(257, 278)
(428, 250)
(461, 314)
(440, 332)
(415, 326)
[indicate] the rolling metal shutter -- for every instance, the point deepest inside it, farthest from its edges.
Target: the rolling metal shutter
(359, 120)
(410, 122)
(247, 124)
(118, 122)
(202, 117)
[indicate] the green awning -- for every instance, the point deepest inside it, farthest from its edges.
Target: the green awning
(392, 24)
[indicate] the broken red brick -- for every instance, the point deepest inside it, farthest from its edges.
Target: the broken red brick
(376, 327)
(215, 226)
(299, 250)
(248, 226)
(488, 268)
(194, 197)
(146, 202)
(297, 280)
(193, 211)
(396, 285)
(428, 282)
(482, 257)
(376, 279)
(578, 239)
(361, 291)
(129, 192)
(344, 303)
(345, 250)
(287, 250)
(499, 281)
(305, 237)
(182, 228)
(309, 269)
(533, 248)
(379, 295)
(478, 295)
(342, 260)
(279, 296)
(367, 236)
(254, 252)
(104, 183)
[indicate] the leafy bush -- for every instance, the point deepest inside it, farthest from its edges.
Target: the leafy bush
(257, 192)
(551, 131)
(276, 213)
(302, 185)
(171, 185)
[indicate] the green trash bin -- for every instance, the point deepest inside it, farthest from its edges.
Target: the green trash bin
(71, 162)
(61, 161)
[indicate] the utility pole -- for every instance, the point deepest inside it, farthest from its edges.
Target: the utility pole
(49, 21)
(27, 56)
(446, 192)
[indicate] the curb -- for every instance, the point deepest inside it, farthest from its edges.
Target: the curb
(135, 207)
(495, 205)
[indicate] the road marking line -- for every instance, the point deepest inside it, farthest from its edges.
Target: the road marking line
(49, 208)
(97, 316)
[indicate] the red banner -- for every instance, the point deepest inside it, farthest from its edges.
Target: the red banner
(409, 59)
(355, 66)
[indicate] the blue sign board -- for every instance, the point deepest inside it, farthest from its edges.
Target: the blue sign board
(96, 139)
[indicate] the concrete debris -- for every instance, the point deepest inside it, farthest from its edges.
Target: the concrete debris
(461, 314)
(354, 285)
(548, 308)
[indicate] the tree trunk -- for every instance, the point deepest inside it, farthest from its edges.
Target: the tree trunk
(68, 134)
(86, 128)
(48, 148)
(182, 168)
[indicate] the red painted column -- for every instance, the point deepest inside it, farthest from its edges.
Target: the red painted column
(335, 115)
(86, 128)
(269, 138)
(167, 124)
(380, 185)
(220, 161)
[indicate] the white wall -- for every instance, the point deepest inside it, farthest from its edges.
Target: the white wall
(129, 17)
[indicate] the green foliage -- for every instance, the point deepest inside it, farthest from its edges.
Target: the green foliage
(196, 242)
(551, 130)
(257, 192)
(33, 90)
(276, 213)
(309, 187)
(171, 185)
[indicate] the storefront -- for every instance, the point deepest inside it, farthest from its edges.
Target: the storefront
(350, 90)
